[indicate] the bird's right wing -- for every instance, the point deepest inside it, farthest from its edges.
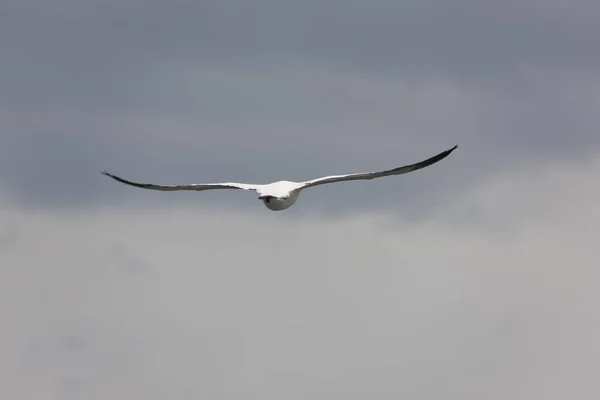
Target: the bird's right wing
(372, 175)
(196, 186)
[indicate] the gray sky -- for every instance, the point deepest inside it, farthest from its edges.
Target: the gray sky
(474, 278)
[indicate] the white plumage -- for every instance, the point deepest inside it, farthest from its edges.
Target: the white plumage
(280, 195)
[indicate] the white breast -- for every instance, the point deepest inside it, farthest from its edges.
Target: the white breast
(276, 204)
(281, 203)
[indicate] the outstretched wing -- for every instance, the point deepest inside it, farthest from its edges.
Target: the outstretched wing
(198, 187)
(373, 175)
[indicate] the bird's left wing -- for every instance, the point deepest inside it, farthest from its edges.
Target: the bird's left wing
(195, 186)
(373, 175)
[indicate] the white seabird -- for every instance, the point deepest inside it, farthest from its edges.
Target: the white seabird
(280, 195)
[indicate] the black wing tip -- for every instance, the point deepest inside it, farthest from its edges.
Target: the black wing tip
(435, 158)
(447, 152)
(119, 179)
(112, 176)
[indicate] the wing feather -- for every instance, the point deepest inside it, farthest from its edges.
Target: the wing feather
(372, 175)
(197, 186)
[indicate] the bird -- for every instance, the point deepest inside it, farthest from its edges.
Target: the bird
(281, 195)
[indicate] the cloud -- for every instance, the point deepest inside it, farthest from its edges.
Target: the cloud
(298, 124)
(467, 40)
(475, 278)
(492, 296)
(212, 91)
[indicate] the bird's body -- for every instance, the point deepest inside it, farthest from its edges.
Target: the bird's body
(278, 196)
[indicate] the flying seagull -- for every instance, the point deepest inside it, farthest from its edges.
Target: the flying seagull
(280, 195)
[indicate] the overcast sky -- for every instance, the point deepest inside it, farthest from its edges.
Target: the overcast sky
(476, 278)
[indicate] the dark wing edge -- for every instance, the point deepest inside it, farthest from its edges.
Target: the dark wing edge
(422, 164)
(372, 175)
(197, 187)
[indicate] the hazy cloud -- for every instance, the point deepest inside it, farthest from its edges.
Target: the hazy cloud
(475, 278)
(211, 91)
(265, 305)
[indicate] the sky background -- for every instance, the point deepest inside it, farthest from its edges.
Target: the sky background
(476, 278)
